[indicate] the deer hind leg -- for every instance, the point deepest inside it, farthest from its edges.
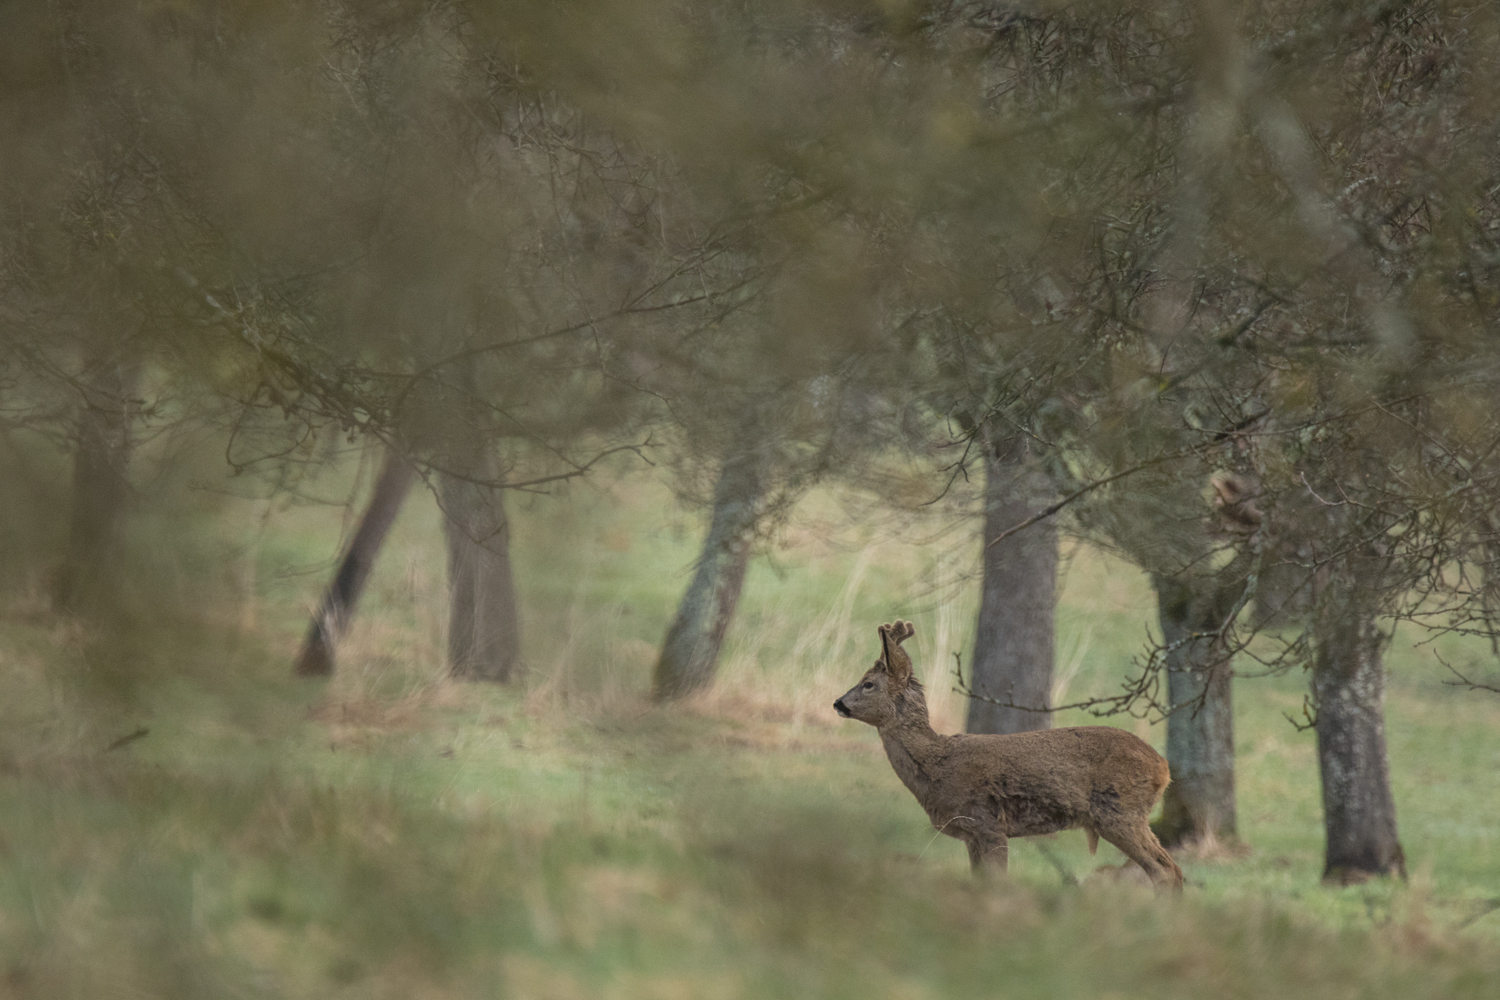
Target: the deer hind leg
(989, 850)
(1174, 873)
(1135, 839)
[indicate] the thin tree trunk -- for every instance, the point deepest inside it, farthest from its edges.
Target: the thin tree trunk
(101, 487)
(484, 622)
(316, 658)
(690, 653)
(1013, 645)
(1200, 801)
(1359, 813)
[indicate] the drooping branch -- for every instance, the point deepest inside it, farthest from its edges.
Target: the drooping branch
(1088, 488)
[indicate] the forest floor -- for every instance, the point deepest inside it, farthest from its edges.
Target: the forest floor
(179, 817)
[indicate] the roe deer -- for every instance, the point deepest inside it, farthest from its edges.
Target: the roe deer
(984, 789)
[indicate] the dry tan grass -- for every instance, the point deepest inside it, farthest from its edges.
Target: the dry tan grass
(798, 686)
(390, 672)
(1128, 873)
(1208, 847)
(576, 680)
(787, 667)
(829, 650)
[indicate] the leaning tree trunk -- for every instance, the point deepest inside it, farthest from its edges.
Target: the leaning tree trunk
(101, 487)
(1013, 644)
(690, 653)
(1200, 801)
(332, 617)
(484, 622)
(1359, 813)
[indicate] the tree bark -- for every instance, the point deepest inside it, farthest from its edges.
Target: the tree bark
(101, 487)
(1359, 813)
(484, 622)
(316, 658)
(1013, 644)
(1200, 801)
(690, 652)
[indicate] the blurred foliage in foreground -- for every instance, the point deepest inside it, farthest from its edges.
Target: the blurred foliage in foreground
(514, 242)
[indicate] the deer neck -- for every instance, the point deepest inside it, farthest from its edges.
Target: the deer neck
(912, 746)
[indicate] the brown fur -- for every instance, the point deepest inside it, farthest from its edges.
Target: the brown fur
(985, 789)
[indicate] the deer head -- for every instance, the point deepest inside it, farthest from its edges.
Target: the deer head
(876, 698)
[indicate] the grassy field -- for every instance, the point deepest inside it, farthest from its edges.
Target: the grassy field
(390, 833)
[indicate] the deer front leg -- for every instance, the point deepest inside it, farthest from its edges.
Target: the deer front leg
(989, 850)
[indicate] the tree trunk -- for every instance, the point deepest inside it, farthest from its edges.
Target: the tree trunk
(1200, 801)
(690, 653)
(391, 487)
(1284, 596)
(101, 487)
(1359, 814)
(484, 623)
(1013, 643)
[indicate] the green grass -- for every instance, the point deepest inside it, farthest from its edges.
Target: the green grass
(392, 834)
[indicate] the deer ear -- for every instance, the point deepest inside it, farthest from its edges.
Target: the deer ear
(897, 663)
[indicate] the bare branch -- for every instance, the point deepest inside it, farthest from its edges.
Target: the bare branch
(1464, 681)
(1084, 490)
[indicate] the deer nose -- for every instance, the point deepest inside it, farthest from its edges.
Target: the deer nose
(841, 708)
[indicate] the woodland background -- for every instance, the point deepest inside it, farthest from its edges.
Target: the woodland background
(455, 452)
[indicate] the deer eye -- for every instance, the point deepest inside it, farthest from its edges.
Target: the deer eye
(867, 685)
